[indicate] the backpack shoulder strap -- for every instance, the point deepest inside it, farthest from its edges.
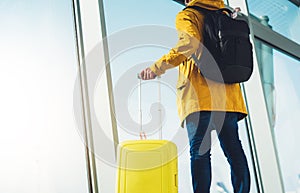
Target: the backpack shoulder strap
(226, 10)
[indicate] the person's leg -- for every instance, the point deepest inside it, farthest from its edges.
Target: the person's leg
(199, 137)
(232, 148)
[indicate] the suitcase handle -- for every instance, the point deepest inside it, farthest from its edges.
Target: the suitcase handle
(142, 132)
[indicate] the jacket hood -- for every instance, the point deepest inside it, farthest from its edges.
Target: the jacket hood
(209, 4)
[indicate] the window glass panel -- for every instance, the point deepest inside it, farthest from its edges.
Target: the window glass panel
(41, 150)
(138, 27)
(282, 16)
(283, 102)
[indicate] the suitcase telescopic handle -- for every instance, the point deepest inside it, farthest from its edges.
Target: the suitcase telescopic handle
(142, 132)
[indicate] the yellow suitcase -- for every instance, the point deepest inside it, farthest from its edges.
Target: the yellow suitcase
(147, 166)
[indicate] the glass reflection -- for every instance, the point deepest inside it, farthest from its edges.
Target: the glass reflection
(283, 16)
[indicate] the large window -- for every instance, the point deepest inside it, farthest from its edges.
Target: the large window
(41, 150)
(282, 73)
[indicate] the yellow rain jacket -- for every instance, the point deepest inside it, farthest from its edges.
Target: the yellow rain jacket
(194, 92)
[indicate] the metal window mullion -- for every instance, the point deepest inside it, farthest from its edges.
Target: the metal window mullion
(275, 40)
(87, 132)
(108, 76)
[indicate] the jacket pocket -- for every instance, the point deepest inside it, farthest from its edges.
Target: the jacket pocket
(181, 85)
(181, 90)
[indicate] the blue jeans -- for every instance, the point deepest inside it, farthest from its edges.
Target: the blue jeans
(199, 126)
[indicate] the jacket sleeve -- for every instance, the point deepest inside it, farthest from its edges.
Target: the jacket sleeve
(189, 37)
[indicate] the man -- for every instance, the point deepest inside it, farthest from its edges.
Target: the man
(204, 104)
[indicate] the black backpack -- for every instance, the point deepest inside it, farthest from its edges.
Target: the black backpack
(227, 50)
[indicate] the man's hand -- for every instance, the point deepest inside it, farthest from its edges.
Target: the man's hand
(147, 74)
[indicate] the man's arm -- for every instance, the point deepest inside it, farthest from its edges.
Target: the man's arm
(189, 39)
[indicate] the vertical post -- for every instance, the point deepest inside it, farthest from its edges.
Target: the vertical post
(87, 131)
(108, 75)
(267, 74)
(101, 131)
